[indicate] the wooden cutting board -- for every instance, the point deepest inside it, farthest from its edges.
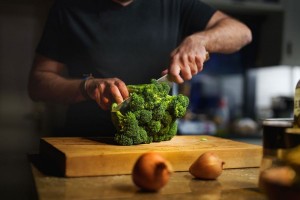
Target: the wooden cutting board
(75, 157)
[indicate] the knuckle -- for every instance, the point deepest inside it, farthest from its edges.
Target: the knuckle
(175, 57)
(194, 71)
(191, 57)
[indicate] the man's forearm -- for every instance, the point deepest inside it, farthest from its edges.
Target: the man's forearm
(48, 86)
(226, 36)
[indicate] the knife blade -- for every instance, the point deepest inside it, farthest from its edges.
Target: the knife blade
(121, 105)
(165, 79)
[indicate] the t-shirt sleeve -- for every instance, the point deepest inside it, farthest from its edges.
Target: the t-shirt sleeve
(195, 16)
(52, 42)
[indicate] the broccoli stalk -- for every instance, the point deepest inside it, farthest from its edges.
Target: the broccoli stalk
(150, 116)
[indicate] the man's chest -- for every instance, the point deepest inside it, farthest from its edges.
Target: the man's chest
(131, 29)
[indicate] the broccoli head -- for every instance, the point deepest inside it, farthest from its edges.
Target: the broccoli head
(150, 115)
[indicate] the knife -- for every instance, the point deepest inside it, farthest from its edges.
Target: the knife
(164, 78)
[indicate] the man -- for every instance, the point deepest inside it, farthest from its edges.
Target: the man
(121, 42)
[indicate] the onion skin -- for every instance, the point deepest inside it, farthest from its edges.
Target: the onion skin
(208, 166)
(151, 172)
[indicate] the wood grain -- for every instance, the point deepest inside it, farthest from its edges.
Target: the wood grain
(75, 157)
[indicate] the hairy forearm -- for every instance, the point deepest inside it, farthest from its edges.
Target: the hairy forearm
(51, 87)
(226, 36)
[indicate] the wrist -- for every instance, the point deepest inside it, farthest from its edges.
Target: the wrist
(201, 39)
(84, 87)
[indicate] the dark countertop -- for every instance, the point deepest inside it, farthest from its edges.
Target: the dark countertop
(232, 184)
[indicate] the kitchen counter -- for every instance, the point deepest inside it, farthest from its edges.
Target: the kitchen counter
(232, 184)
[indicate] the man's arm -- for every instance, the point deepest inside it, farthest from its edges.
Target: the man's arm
(46, 83)
(223, 34)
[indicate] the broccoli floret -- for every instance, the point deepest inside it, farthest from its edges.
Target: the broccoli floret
(150, 115)
(153, 126)
(123, 140)
(126, 123)
(128, 130)
(172, 130)
(178, 105)
(166, 119)
(159, 111)
(152, 93)
(140, 136)
(143, 116)
(136, 102)
(167, 132)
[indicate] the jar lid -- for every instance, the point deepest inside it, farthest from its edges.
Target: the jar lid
(278, 122)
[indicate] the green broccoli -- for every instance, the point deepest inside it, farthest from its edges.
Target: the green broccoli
(150, 115)
(167, 118)
(137, 102)
(143, 116)
(128, 130)
(178, 105)
(159, 111)
(173, 130)
(152, 93)
(153, 126)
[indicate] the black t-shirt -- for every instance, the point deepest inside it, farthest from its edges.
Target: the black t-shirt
(103, 38)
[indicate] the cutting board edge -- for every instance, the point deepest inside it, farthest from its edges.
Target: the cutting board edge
(130, 158)
(53, 157)
(66, 164)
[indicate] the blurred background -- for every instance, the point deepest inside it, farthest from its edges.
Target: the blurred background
(228, 99)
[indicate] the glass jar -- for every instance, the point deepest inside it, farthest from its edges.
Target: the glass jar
(280, 178)
(274, 143)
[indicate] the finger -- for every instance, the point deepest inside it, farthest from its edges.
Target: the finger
(174, 71)
(116, 94)
(105, 102)
(186, 73)
(186, 66)
(97, 97)
(174, 52)
(192, 64)
(102, 100)
(93, 91)
(175, 74)
(100, 96)
(122, 89)
(199, 63)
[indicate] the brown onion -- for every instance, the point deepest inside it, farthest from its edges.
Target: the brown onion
(207, 166)
(151, 172)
